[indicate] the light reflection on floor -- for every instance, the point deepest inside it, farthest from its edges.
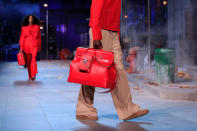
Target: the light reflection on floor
(49, 104)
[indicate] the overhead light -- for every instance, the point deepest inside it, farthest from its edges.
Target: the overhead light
(165, 2)
(126, 16)
(45, 5)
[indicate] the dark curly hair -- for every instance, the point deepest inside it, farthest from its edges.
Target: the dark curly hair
(26, 20)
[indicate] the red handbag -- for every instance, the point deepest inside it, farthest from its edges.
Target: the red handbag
(21, 59)
(93, 68)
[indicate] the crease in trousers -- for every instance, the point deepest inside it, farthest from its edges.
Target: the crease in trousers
(121, 94)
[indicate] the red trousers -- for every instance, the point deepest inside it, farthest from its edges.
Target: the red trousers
(30, 61)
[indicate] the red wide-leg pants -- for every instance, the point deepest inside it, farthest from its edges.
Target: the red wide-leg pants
(30, 60)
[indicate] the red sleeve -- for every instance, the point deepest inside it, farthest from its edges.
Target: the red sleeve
(36, 32)
(21, 41)
(37, 36)
(95, 18)
(40, 40)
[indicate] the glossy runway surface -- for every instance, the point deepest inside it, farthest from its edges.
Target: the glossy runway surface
(48, 104)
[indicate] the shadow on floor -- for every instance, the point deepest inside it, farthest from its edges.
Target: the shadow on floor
(132, 126)
(122, 126)
(27, 83)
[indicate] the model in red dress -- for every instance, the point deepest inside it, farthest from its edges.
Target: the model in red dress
(30, 44)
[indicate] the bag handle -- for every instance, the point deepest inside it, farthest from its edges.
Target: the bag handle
(96, 58)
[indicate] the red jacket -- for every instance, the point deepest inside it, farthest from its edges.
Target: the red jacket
(30, 38)
(104, 14)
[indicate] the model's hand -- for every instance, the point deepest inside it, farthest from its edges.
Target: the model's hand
(97, 44)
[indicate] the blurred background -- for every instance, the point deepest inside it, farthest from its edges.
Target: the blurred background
(64, 25)
(145, 25)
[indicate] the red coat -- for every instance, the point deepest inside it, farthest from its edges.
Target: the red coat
(104, 14)
(30, 39)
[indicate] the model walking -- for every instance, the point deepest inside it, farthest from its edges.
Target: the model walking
(104, 33)
(30, 44)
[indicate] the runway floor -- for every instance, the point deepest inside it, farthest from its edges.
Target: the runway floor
(49, 103)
